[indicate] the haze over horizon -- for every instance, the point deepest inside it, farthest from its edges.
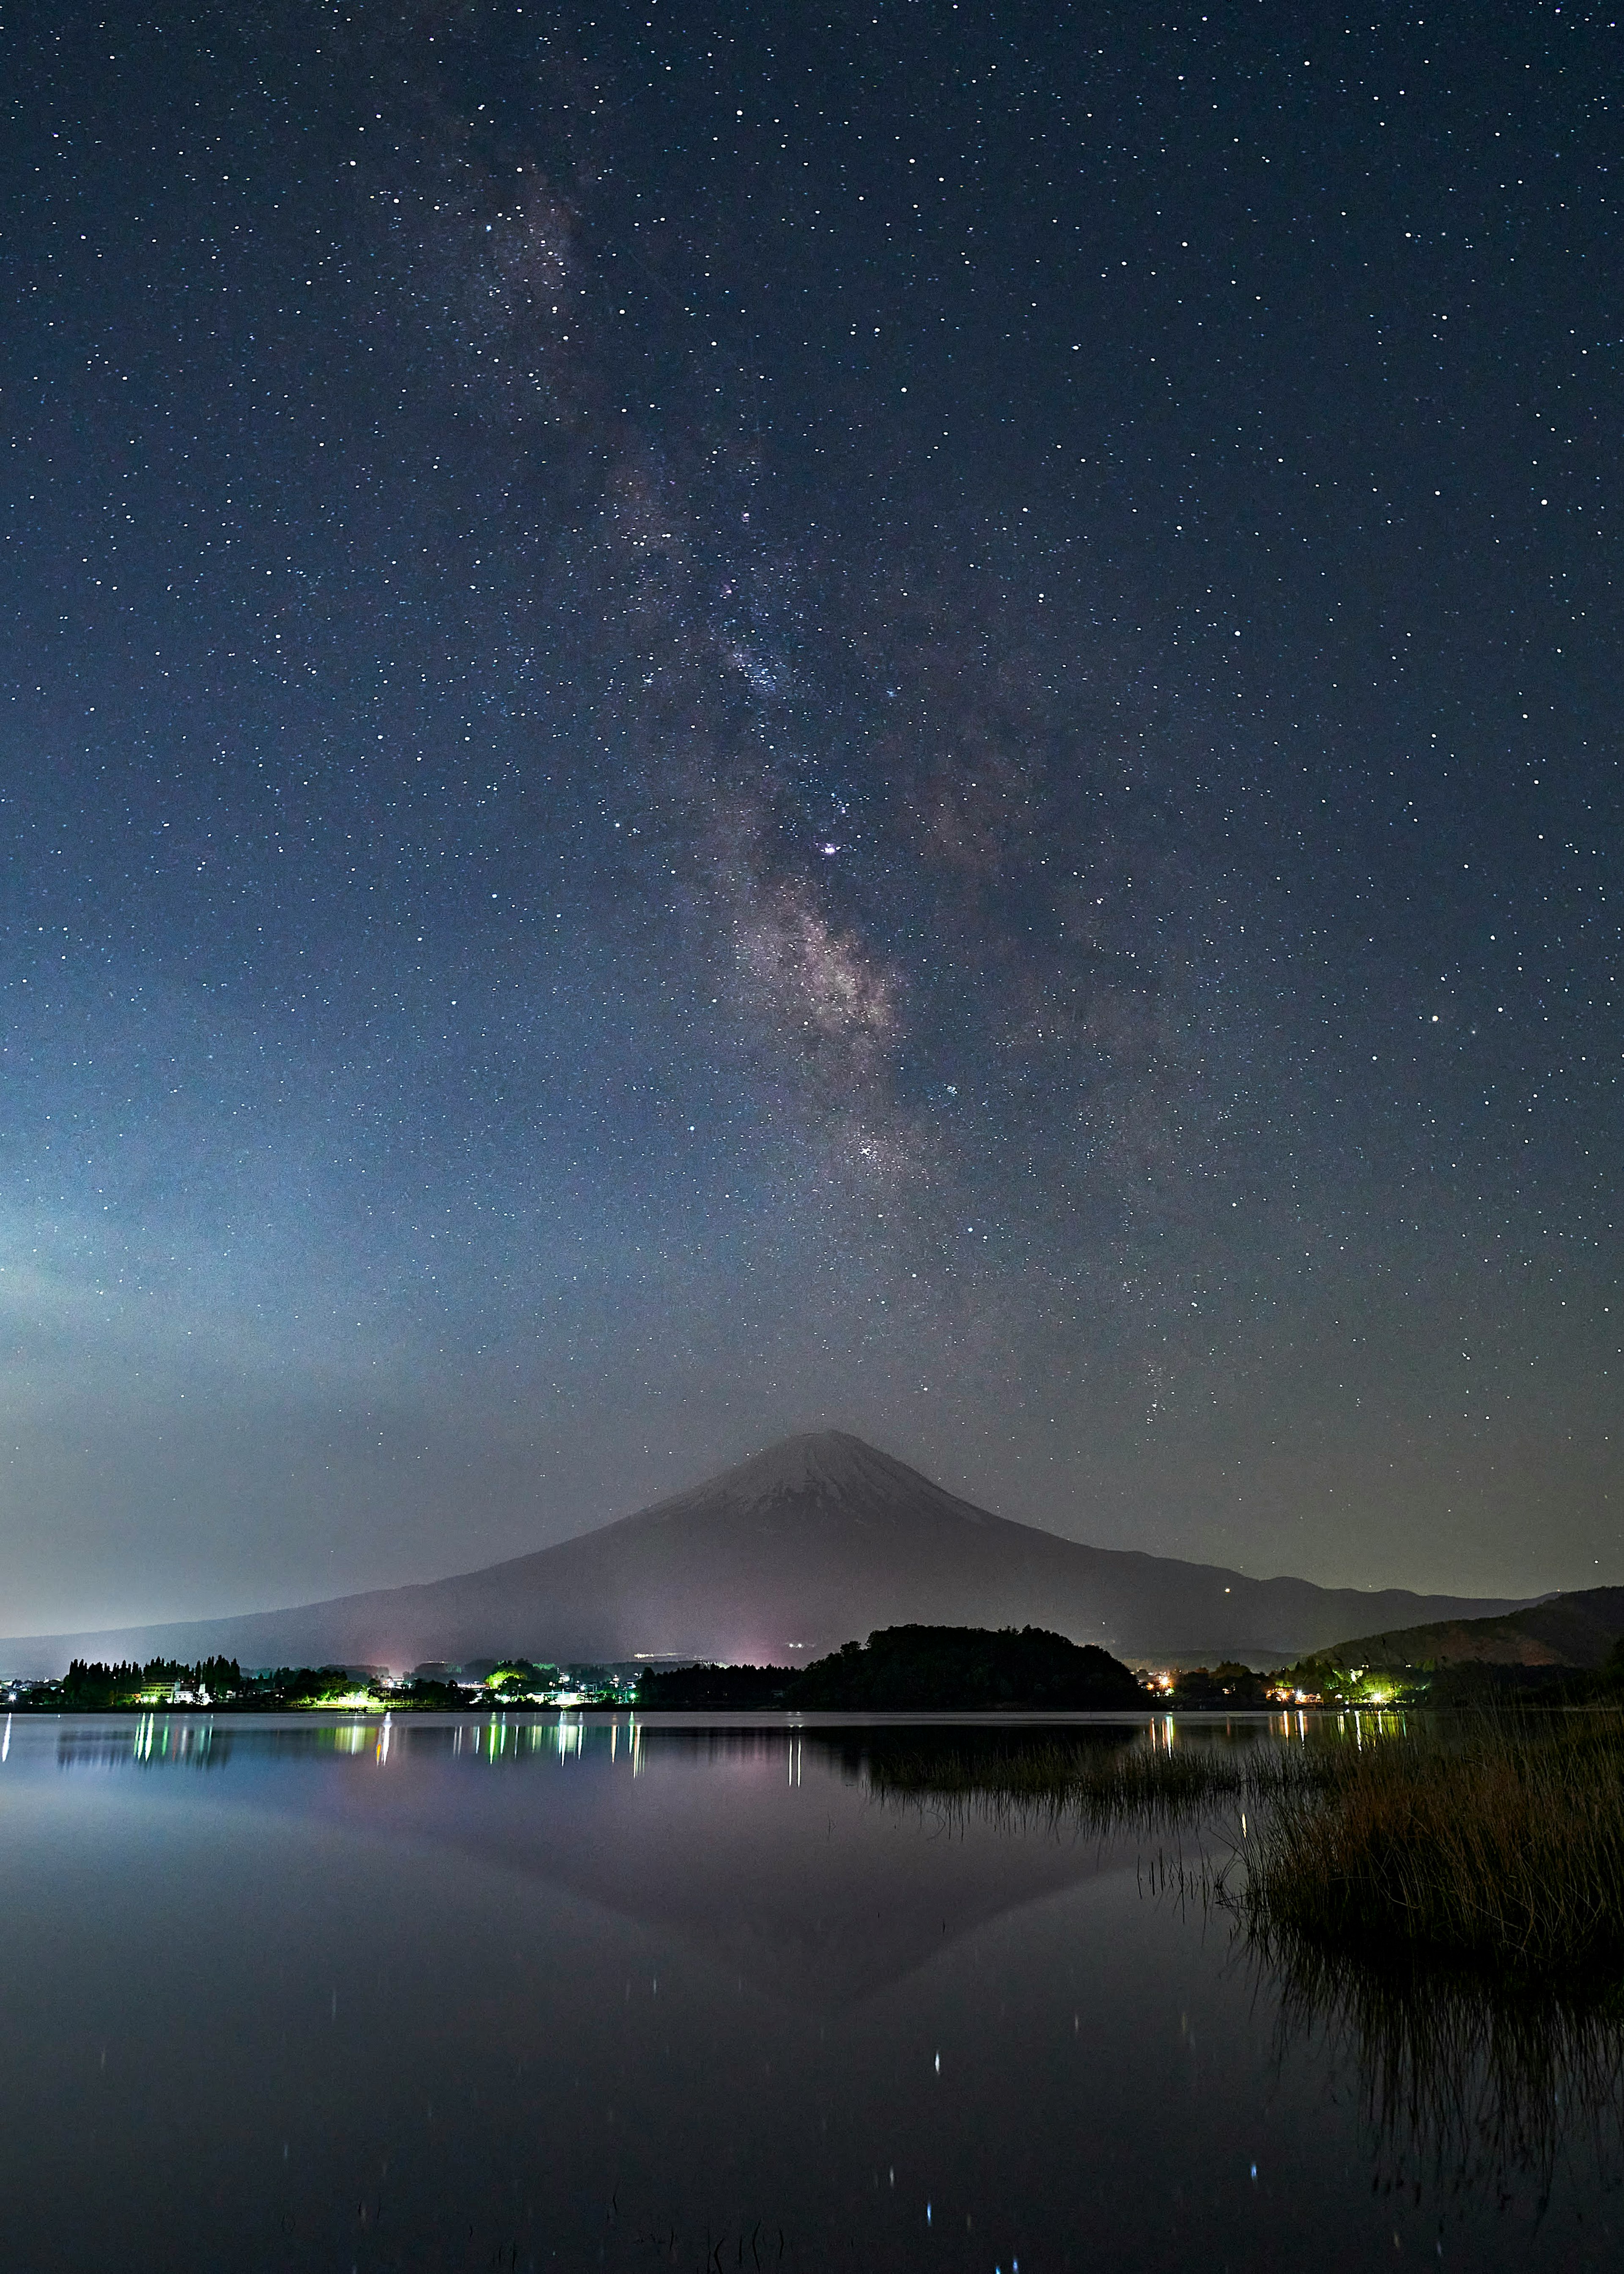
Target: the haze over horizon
(720, 722)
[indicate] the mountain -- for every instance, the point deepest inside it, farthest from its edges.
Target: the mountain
(1576, 1629)
(815, 1542)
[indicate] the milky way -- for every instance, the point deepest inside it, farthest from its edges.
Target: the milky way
(901, 718)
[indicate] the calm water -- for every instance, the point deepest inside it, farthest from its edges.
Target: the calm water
(540, 1994)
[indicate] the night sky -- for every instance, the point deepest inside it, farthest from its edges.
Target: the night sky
(720, 718)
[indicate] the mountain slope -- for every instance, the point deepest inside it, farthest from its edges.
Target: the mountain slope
(813, 1543)
(1576, 1629)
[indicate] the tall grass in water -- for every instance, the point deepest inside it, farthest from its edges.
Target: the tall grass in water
(1496, 1841)
(1490, 1839)
(1439, 1901)
(1101, 1781)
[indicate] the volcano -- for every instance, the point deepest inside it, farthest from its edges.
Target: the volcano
(814, 1542)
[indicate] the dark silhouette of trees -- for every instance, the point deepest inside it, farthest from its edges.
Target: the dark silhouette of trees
(936, 1669)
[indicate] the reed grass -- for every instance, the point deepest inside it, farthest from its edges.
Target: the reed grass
(1436, 1901)
(1102, 1785)
(1493, 1839)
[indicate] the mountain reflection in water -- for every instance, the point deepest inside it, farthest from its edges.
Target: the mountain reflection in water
(1461, 2082)
(582, 1991)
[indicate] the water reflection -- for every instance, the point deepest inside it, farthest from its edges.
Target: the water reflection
(156, 1741)
(730, 1847)
(904, 1996)
(1463, 2083)
(1460, 2083)
(145, 1741)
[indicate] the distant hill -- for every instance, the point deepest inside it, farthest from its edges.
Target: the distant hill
(936, 1669)
(913, 1670)
(815, 1542)
(1576, 1629)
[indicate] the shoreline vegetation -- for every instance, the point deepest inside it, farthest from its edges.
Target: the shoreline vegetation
(220, 1685)
(1448, 1918)
(1495, 1841)
(918, 1669)
(915, 1668)
(907, 1668)
(1437, 1899)
(1491, 1841)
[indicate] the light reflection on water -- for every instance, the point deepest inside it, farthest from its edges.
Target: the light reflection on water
(199, 1740)
(581, 1988)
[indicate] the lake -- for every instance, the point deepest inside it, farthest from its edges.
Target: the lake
(585, 1991)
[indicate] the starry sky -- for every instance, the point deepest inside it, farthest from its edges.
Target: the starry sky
(717, 719)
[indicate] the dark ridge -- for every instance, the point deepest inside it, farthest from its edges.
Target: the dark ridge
(1577, 1629)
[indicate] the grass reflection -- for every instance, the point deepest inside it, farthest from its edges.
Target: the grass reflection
(1102, 1779)
(1438, 1905)
(1490, 1840)
(1464, 2083)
